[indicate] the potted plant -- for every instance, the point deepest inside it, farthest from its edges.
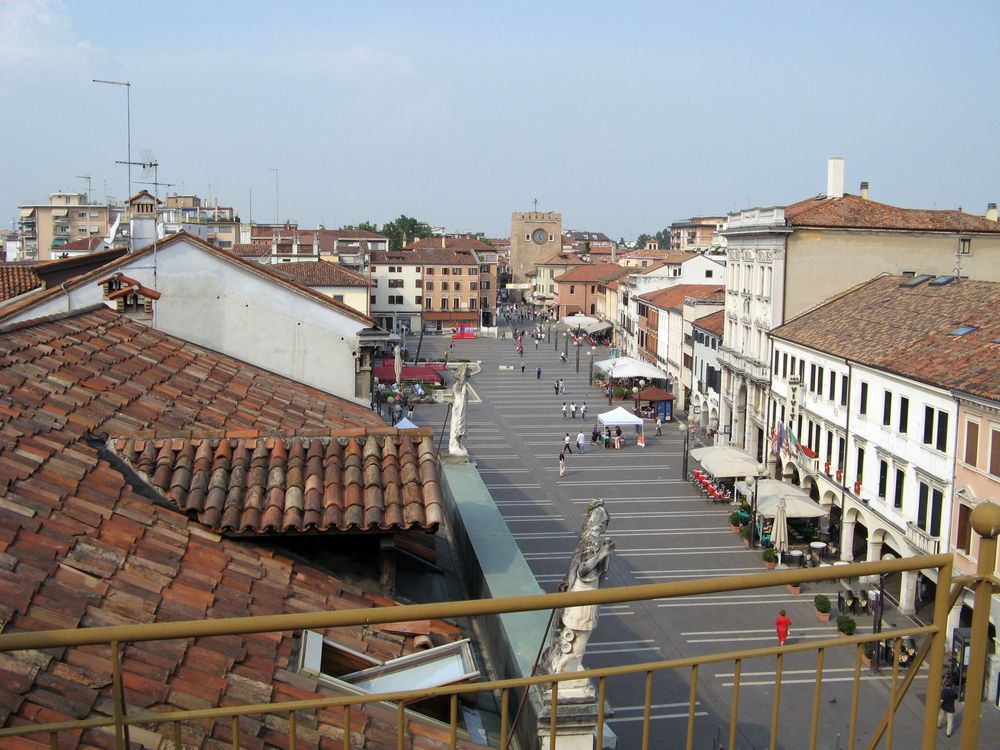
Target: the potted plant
(822, 604)
(734, 522)
(745, 535)
(846, 625)
(867, 649)
(770, 558)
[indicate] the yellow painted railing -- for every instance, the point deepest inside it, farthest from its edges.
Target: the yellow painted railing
(932, 651)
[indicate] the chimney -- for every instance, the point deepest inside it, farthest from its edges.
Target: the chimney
(991, 211)
(864, 191)
(835, 177)
(444, 242)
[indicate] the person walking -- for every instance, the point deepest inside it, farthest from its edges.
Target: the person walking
(782, 623)
(595, 434)
(536, 343)
(564, 407)
(659, 426)
(562, 386)
(579, 441)
(538, 373)
(562, 357)
(566, 444)
(555, 386)
(522, 366)
(572, 410)
(409, 411)
(583, 410)
(562, 463)
(946, 714)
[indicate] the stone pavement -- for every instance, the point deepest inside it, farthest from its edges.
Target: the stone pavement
(664, 531)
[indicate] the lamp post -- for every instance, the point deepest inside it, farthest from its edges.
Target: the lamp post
(566, 345)
(684, 462)
(578, 355)
(592, 350)
(877, 620)
(761, 472)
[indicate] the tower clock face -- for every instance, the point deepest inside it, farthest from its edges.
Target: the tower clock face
(539, 236)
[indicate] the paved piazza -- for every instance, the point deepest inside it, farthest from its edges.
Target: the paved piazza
(664, 531)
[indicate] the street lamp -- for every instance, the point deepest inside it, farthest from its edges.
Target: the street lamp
(592, 350)
(578, 355)
(877, 618)
(761, 472)
(684, 462)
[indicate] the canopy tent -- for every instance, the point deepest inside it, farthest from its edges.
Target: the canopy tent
(405, 424)
(770, 492)
(724, 461)
(627, 367)
(579, 321)
(618, 417)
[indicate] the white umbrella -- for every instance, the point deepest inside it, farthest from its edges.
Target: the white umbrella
(725, 461)
(798, 504)
(628, 367)
(779, 530)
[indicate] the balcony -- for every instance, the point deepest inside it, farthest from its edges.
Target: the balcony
(921, 539)
(300, 716)
(731, 358)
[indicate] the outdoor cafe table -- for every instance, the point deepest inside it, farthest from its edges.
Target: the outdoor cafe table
(819, 548)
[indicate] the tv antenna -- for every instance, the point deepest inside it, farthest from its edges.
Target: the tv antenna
(150, 167)
(87, 178)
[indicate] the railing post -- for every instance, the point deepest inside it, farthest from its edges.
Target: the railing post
(985, 520)
(939, 643)
(118, 699)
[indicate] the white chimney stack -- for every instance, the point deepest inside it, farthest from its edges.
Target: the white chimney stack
(864, 190)
(991, 212)
(835, 177)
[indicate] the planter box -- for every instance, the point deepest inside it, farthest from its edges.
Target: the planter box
(794, 590)
(822, 616)
(770, 565)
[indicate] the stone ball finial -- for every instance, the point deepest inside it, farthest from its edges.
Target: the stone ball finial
(986, 519)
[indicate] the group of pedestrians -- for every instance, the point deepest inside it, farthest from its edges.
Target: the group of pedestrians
(571, 409)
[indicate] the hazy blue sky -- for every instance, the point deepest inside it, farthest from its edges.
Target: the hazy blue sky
(624, 116)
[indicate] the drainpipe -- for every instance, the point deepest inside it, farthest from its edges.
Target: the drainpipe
(847, 452)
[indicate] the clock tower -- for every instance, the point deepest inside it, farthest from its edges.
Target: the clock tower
(534, 236)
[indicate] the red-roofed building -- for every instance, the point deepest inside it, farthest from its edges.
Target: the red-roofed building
(577, 288)
(784, 260)
(706, 373)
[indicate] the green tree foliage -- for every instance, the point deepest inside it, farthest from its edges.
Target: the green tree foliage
(364, 226)
(405, 226)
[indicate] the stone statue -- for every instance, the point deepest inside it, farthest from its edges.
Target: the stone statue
(460, 397)
(572, 626)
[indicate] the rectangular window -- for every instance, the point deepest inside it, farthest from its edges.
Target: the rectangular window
(458, 303)
(861, 465)
(995, 453)
(776, 361)
(472, 303)
(418, 301)
(819, 381)
(843, 390)
(923, 494)
(942, 431)
(428, 271)
(887, 408)
(473, 286)
(842, 455)
(971, 442)
(572, 289)
(793, 366)
(897, 497)
(338, 298)
(904, 414)
(445, 286)
(864, 399)
(928, 425)
(802, 371)
(457, 286)
(456, 271)
(937, 502)
(395, 283)
(444, 303)
(962, 534)
(428, 302)
(429, 286)
(372, 299)
(784, 366)
(812, 378)
(829, 447)
(883, 478)
(444, 272)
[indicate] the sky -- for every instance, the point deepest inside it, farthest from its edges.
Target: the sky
(623, 116)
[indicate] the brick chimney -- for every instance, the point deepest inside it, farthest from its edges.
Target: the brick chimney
(991, 211)
(864, 191)
(835, 177)
(444, 242)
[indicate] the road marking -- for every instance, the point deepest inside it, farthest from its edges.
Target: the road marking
(752, 630)
(513, 486)
(812, 680)
(535, 518)
(504, 471)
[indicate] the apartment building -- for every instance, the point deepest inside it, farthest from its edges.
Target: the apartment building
(783, 260)
(44, 228)
(577, 288)
(706, 373)
(491, 265)
(286, 243)
(543, 284)
(697, 234)
(220, 224)
(867, 384)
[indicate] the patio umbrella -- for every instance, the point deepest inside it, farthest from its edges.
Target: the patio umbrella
(798, 504)
(397, 365)
(779, 531)
(724, 461)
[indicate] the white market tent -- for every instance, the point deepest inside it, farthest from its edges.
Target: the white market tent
(579, 321)
(627, 367)
(619, 417)
(724, 461)
(405, 424)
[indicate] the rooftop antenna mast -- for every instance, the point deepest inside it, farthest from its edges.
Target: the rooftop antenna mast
(128, 124)
(962, 248)
(87, 178)
(150, 167)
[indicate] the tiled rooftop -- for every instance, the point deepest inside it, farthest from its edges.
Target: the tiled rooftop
(274, 485)
(909, 330)
(592, 272)
(321, 273)
(674, 296)
(84, 544)
(854, 212)
(16, 279)
(662, 255)
(450, 243)
(433, 256)
(714, 323)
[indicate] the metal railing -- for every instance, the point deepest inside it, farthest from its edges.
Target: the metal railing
(932, 651)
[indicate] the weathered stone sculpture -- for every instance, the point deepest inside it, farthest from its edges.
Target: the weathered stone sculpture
(460, 397)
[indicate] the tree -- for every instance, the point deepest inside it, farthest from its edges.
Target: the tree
(405, 226)
(364, 226)
(642, 239)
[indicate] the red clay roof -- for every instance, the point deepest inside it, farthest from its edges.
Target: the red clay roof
(432, 256)
(255, 249)
(321, 273)
(561, 259)
(909, 331)
(674, 296)
(87, 243)
(714, 323)
(663, 256)
(84, 544)
(451, 243)
(16, 279)
(854, 212)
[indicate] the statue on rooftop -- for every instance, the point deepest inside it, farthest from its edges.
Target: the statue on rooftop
(588, 567)
(460, 397)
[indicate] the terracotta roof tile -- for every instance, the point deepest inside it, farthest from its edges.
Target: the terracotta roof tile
(450, 243)
(674, 296)
(593, 272)
(84, 542)
(854, 212)
(909, 330)
(663, 255)
(16, 279)
(432, 256)
(321, 273)
(714, 323)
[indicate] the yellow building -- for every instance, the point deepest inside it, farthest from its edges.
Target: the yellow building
(46, 227)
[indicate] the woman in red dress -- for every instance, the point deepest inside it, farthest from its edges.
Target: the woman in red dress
(782, 623)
